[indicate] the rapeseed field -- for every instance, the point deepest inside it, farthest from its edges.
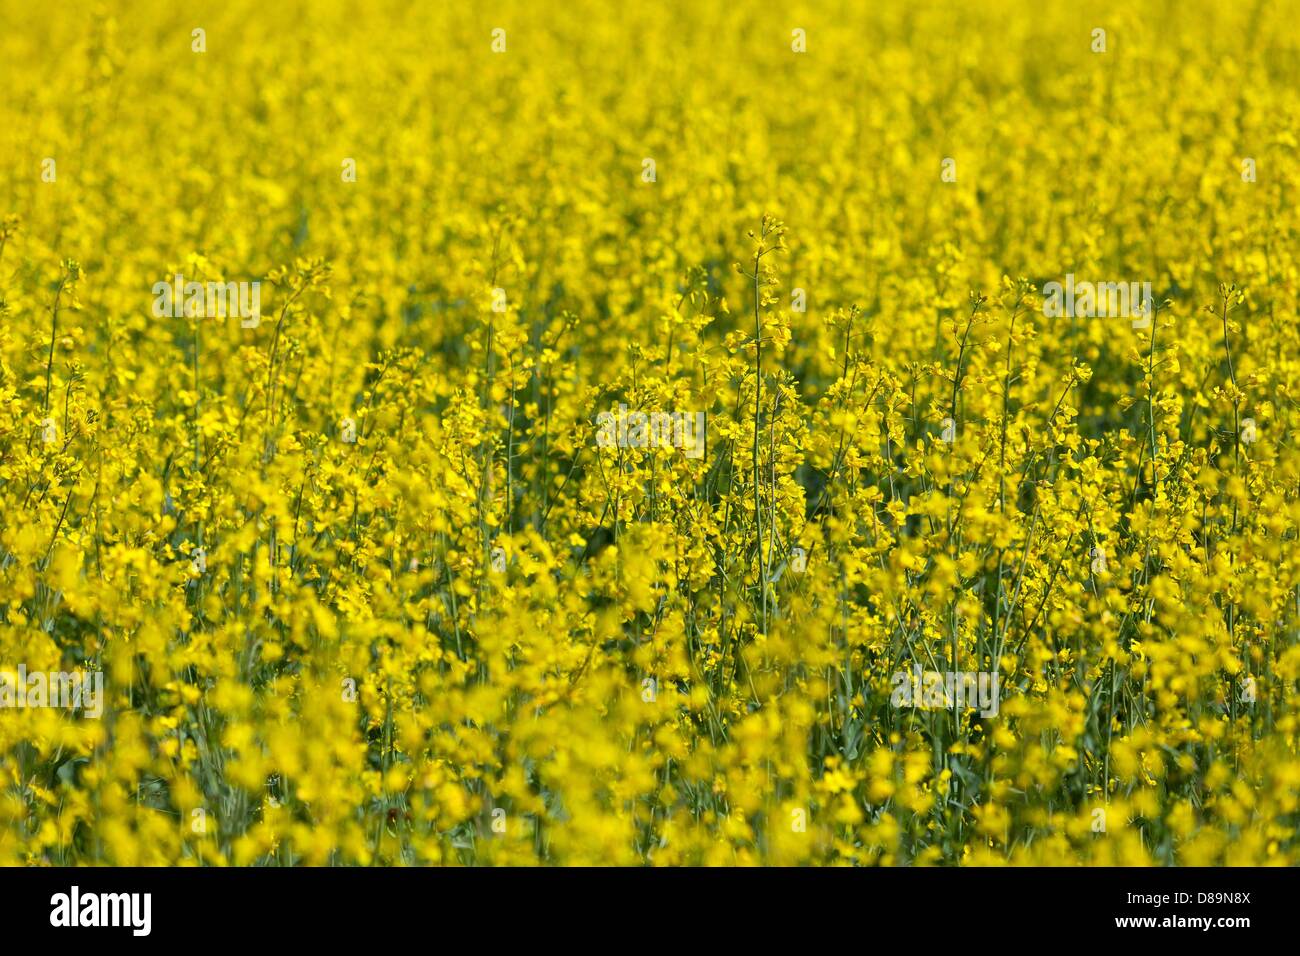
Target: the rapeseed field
(680, 433)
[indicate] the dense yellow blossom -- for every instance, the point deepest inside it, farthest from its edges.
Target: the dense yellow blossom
(367, 584)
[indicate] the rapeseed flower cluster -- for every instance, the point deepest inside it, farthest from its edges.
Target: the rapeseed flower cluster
(366, 586)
